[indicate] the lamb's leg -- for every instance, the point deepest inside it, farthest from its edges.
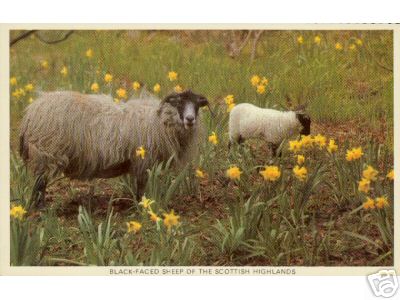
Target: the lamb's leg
(39, 191)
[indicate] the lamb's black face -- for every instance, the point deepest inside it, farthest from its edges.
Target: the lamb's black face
(305, 122)
(187, 104)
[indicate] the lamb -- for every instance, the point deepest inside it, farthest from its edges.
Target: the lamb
(249, 121)
(89, 136)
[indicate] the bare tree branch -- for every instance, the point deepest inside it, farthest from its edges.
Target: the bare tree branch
(235, 49)
(40, 38)
(21, 37)
(255, 41)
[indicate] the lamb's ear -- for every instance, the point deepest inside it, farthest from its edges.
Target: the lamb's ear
(172, 99)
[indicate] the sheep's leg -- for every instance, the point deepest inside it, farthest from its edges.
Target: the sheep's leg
(39, 191)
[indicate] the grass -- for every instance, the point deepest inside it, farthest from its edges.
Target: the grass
(248, 221)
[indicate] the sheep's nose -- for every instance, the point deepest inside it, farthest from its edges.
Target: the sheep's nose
(190, 119)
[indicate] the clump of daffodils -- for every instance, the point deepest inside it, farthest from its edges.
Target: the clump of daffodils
(108, 78)
(390, 175)
(230, 102)
(141, 152)
(300, 173)
(259, 83)
(133, 226)
(271, 173)
(354, 154)
(94, 87)
(200, 173)
(64, 71)
(172, 75)
(17, 212)
(157, 88)
(170, 219)
(121, 93)
(136, 85)
(233, 173)
(364, 185)
(89, 53)
(379, 202)
(146, 202)
(212, 138)
(370, 173)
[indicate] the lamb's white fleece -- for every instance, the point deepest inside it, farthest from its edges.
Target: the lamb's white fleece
(249, 121)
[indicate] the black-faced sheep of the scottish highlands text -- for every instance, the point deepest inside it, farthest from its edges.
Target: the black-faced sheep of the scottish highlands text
(89, 136)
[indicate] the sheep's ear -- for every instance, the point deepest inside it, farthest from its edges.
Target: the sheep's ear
(172, 99)
(202, 101)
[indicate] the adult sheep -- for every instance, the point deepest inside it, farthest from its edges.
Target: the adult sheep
(249, 121)
(89, 136)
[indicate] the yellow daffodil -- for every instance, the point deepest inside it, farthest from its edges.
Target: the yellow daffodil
(146, 202)
(370, 173)
(30, 100)
(94, 87)
(307, 141)
(255, 80)
(332, 147)
(364, 185)
(13, 81)
(153, 216)
(133, 226)
(172, 75)
(300, 172)
(108, 78)
(354, 154)
(317, 40)
(178, 89)
(233, 173)
(338, 46)
(29, 87)
(229, 99)
(390, 175)
(64, 71)
(157, 88)
(200, 173)
(44, 64)
(140, 152)
(213, 139)
(230, 107)
(320, 140)
(300, 39)
(170, 219)
(352, 47)
(381, 202)
(17, 212)
(264, 81)
(121, 93)
(18, 93)
(116, 100)
(369, 204)
(300, 159)
(89, 53)
(294, 146)
(260, 89)
(136, 85)
(359, 42)
(271, 173)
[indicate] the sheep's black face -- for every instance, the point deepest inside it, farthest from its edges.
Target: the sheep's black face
(305, 122)
(187, 104)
